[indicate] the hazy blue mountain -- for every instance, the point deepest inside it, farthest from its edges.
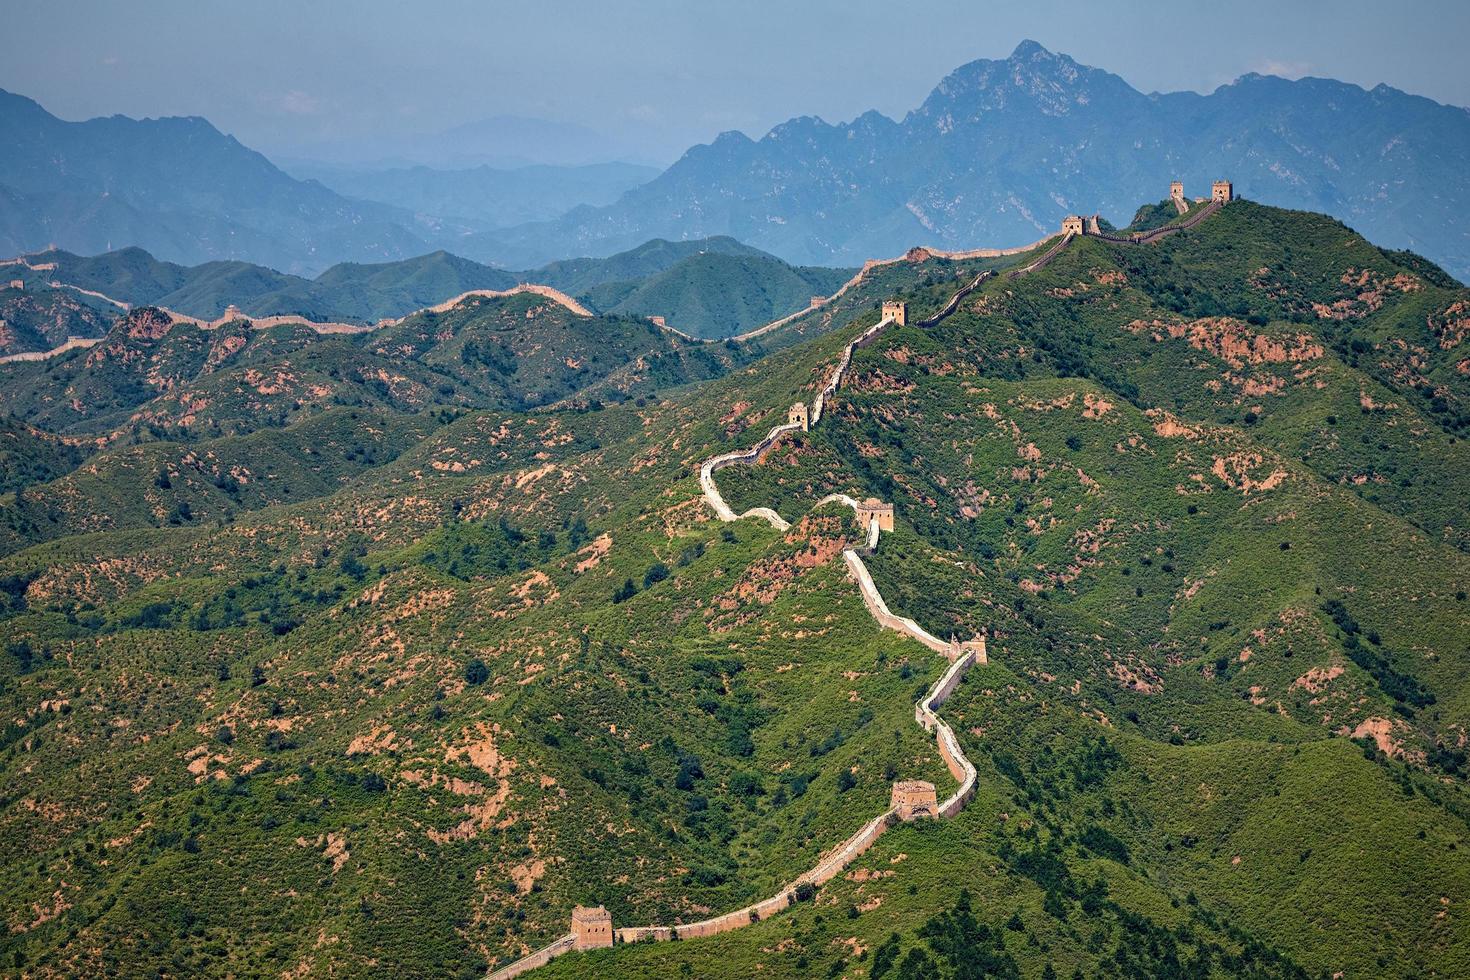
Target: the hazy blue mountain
(182, 189)
(484, 195)
(1002, 149)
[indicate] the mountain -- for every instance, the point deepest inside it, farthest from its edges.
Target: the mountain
(718, 294)
(39, 319)
(1000, 150)
(709, 287)
(150, 377)
(347, 292)
(395, 653)
(484, 196)
(180, 188)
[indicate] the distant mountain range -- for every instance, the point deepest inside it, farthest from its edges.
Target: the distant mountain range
(485, 196)
(711, 287)
(996, 154)
(1000, 150)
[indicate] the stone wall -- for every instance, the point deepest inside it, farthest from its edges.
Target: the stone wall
(541, 957)
(961, 655)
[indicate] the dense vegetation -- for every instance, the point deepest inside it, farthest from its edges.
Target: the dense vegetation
(490, 656)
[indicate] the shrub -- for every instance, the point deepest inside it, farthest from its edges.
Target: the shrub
(475, 672)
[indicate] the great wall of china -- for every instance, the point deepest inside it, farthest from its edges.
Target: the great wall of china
(592, 927)
(233, 313)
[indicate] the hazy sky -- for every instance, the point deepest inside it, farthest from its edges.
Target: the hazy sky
(293, 77)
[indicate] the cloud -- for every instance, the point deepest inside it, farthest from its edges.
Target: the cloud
(299, 103)
(644, 114)
(1286, 69)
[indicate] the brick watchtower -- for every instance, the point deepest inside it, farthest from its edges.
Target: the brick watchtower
(897, 311)
(1176, 190)
(797, 414)
(1072, 224)
(874, 509)
(592, 927)
(1222, 191)
(914, 798)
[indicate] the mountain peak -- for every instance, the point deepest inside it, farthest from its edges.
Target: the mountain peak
(1029, 50)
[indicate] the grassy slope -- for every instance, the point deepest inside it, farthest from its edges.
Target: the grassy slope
(718, 295)
(38, 319)
(363, 607)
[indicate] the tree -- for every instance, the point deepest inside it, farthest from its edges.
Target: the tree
(475, 672)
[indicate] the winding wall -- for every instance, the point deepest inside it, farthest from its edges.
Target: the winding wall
(926, 712)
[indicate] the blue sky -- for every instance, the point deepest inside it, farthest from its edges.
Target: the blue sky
(654, 76)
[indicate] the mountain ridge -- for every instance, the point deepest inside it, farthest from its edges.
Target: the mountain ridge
(964, 165)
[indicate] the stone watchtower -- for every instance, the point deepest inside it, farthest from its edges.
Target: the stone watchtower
(1222, 191)
(1176, 190)
(797, 414)
(1072, 224)
(232, 313)
(914, 798)
(873, 509)
(974, 645)
(592, 927)
(897, 311)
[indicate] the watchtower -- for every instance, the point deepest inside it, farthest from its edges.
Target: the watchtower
(914, 798)
(232, 313)
(591, 927)
(1222, 191)
(817, 301)
(797, 414)
(17, 284)
(874, 509)
(1072, 224)
(975, 645)
(897, 311)
(1176, 190)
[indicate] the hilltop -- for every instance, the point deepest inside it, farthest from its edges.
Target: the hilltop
(486, 653)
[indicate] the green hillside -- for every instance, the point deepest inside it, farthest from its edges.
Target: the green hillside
(40, 319)
(350, 292)
(492, 656)
(711, 287)
(148, 379)
(717, 295)
(580, 276)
